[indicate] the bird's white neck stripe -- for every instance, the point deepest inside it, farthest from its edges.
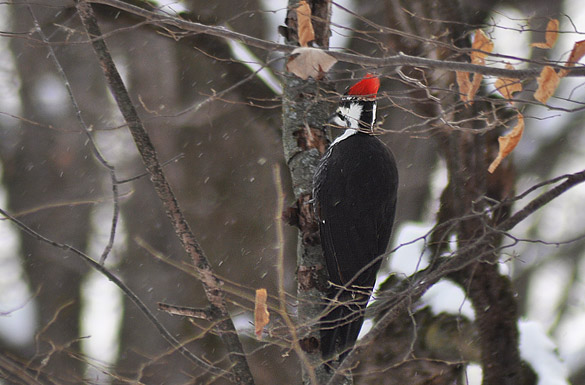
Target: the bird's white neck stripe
(354, 114)
(348, 132)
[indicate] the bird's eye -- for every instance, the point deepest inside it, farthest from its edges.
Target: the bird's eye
(340, 115)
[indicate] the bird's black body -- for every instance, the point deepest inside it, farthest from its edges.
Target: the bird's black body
(355, 190)
(355, 197)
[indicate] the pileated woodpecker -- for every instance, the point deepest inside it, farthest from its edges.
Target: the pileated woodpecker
(354, 191)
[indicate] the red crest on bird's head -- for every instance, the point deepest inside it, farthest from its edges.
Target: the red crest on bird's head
(368, 86)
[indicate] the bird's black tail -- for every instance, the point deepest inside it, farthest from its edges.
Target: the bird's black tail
(341, 324)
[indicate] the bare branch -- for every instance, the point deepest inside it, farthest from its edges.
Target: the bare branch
(125, 289)
(373, 62)
(543, 199)
(225, 327)
(12, 369)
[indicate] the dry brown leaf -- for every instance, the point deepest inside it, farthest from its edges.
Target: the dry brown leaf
(576, 54)
(552, 32)
(548, 81)
(475, 84)
(310, 62)
(508, 143)
(468, 88)
(508, 86)
(306, 32)
(481, 46)
(551, 36)
(261, 314)
(464, 85)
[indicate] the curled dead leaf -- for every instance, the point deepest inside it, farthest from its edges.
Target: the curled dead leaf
(305, 27)
(464, 85)
(508, 143)
(548, 81)
(551, 36)
(508, 86)
(475, 84)
(310, 62)
(577, 53)
(261, 314)
(467, 87)
(481, 47)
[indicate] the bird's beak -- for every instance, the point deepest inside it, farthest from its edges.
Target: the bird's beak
(334, 121)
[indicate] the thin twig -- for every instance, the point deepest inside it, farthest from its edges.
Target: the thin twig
(125, 289)
(136, 177)
(541, 200)
(95, 149)
(218, 95)
(11, 370)
(185, 311)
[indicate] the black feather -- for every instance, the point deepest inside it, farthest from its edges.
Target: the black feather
(355, 190)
